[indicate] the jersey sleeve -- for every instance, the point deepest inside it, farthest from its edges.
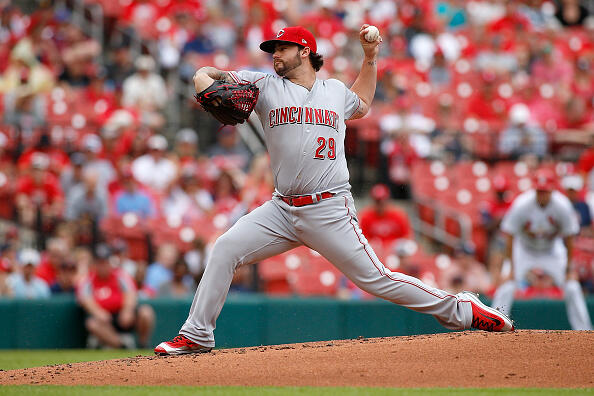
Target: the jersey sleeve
(569, 221)
(351, 103)
(245, 76)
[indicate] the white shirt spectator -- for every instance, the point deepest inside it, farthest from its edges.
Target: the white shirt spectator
(144, 89)
(21, 288)
(154, 173)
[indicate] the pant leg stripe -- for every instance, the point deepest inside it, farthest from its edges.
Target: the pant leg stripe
(375, 265)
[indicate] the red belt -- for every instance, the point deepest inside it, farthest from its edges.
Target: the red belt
(303, 200)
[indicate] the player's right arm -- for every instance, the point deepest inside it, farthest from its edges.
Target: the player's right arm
(508, 254)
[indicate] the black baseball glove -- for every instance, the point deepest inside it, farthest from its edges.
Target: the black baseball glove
(229, 103)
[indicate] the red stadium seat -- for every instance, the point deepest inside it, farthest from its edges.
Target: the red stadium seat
(131, 229)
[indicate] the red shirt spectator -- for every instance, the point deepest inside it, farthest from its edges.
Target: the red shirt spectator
(382, 221)
(44, 191)
(51, 260)
(58, 159)
(107, 291)
(586, 161)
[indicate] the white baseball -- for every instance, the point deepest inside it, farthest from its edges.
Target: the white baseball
(372, 33)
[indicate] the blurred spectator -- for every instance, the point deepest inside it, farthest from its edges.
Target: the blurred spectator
(154, 169)
(573, 185)
(195, 259)
(38, 190)
(133, 199)
(571, 12)
(87, 200)
(66, 278)
(52, 259)
(198, 42)
(181, 285)
(229, 151)
(119, 66)
(465, 272)
(92, 147)
(78, 54)
(23, 108)
(259, 185)
(520, 137)
(187, 200)
(485, 105)
(25, 73)
(6, 268)
(226, 194)
(448, 141)
(381, 221)
(186, 146)
(161, 271)
(539, 284)
(57, 158)
(24, 283)
(400, 156)
(73, 175)
(551, 67)
(440, 74)
(146, 91)
(109, 299)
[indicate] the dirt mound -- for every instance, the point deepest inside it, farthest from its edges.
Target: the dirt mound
(466, 359)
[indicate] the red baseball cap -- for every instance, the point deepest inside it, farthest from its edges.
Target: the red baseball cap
(292, 34)
(380, 192)
(544, 180)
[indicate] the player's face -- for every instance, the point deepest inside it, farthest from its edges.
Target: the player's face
(543, 197)
(286, 57)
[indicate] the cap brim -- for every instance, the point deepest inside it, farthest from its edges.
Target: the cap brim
(268, 46)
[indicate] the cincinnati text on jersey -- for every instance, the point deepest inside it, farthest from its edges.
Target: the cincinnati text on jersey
(296, 115)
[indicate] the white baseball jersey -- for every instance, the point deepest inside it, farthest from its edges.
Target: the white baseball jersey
(538, 243)
(539, 228)
(304, 131)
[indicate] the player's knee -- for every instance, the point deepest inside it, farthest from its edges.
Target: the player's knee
(572, 288)
(227, 249)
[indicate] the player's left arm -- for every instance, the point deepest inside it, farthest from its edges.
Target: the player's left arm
(568, 241)
(364, 85)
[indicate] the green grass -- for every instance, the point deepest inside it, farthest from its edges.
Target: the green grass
(272, 391)
(16, 359)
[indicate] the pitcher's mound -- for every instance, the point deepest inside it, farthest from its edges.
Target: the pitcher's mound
(466, 359)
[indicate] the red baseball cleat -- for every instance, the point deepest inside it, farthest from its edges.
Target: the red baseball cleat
(487, 318)
(180, 345)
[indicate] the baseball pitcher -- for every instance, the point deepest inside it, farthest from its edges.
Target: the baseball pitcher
(304, 123)
(539, 230)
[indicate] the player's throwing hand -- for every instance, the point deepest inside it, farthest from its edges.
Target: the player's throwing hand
(371, 48)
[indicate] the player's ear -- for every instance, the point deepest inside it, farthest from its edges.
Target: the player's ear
(305, 52)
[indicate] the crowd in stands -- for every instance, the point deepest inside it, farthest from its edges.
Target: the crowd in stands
(88, 155)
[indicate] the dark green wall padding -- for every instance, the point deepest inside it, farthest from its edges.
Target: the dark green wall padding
(250, 320)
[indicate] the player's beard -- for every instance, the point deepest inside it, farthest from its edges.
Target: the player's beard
(282, 67)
